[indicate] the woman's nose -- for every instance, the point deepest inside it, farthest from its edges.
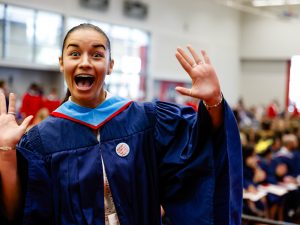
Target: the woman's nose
(85, 61)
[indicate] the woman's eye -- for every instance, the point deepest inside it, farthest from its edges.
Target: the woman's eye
(98, 54)
(74, 54)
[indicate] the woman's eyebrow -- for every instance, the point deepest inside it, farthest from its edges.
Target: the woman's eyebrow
(94, 46)
(72, 45)
(99, 46)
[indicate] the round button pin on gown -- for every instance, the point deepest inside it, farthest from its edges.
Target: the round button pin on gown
(122, 149)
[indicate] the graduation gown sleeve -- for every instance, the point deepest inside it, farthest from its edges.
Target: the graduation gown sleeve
(200, 170)
(36, 182)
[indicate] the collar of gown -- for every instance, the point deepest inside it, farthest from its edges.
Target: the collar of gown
(92, 117)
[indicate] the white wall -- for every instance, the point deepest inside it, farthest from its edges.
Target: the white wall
(266, 46)
(205, 25)
(263, 81)
(266, 38)
(173, 23)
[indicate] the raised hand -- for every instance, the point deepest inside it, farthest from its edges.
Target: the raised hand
(205, 83)
(10, 131)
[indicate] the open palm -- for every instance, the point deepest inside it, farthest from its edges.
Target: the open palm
(10, 131)
(205, 83)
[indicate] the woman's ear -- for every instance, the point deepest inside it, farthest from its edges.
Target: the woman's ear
(61, 68)
(111, 66)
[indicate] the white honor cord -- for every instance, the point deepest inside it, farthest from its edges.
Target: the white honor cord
(111, 217)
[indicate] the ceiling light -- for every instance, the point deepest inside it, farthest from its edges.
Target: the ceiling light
(293, 2)
(261, 3)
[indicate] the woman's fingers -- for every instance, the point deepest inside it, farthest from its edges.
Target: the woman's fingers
(26, 122)
(185, 56)
(205, 57)
(189, 63)
(194, 54)
(184, 91)
(12, 104)
(186, 66)
(2, 104)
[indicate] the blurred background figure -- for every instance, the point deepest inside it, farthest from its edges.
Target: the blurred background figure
(42, 114)
(242, 115)
(32, 101)
(193, 102)
(290, 156)
(52, 101)
(253, 176)
(273, 109)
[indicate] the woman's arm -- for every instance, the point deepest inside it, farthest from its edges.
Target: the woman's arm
(205, 83)
(10, 134)
(10, 184)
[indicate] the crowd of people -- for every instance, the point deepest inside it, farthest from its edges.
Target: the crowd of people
(271, 158)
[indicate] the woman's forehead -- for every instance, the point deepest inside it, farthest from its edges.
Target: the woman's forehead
(90, 36)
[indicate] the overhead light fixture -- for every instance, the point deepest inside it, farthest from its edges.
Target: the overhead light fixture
(293, 2)
(135, 9)
(95, 4)
(261, 3)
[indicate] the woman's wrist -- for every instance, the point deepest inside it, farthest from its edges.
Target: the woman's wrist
(7, 155)
(7, 145)
(214, 104)
(7, 148)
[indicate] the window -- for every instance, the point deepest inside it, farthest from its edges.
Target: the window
(31, 35)
(48, 33)
(19, 31)
(35, 36)
(129, 50)
(1, 27)
(294, 81)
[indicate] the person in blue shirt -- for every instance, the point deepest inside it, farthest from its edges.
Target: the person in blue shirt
(106, 160)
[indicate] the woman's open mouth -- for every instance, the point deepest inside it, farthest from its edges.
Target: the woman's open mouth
(84, 81)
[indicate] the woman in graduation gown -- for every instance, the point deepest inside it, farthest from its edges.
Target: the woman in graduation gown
(101, 159)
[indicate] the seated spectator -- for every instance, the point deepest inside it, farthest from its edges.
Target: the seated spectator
(289, 156)
(253, 175)
(275, 202)
(287, 170)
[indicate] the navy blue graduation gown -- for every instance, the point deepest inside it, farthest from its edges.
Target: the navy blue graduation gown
(175, 160)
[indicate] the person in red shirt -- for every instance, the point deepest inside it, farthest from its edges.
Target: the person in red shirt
(32, 101)
(272, 109)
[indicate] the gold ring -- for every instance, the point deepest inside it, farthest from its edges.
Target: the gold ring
(194, 65)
